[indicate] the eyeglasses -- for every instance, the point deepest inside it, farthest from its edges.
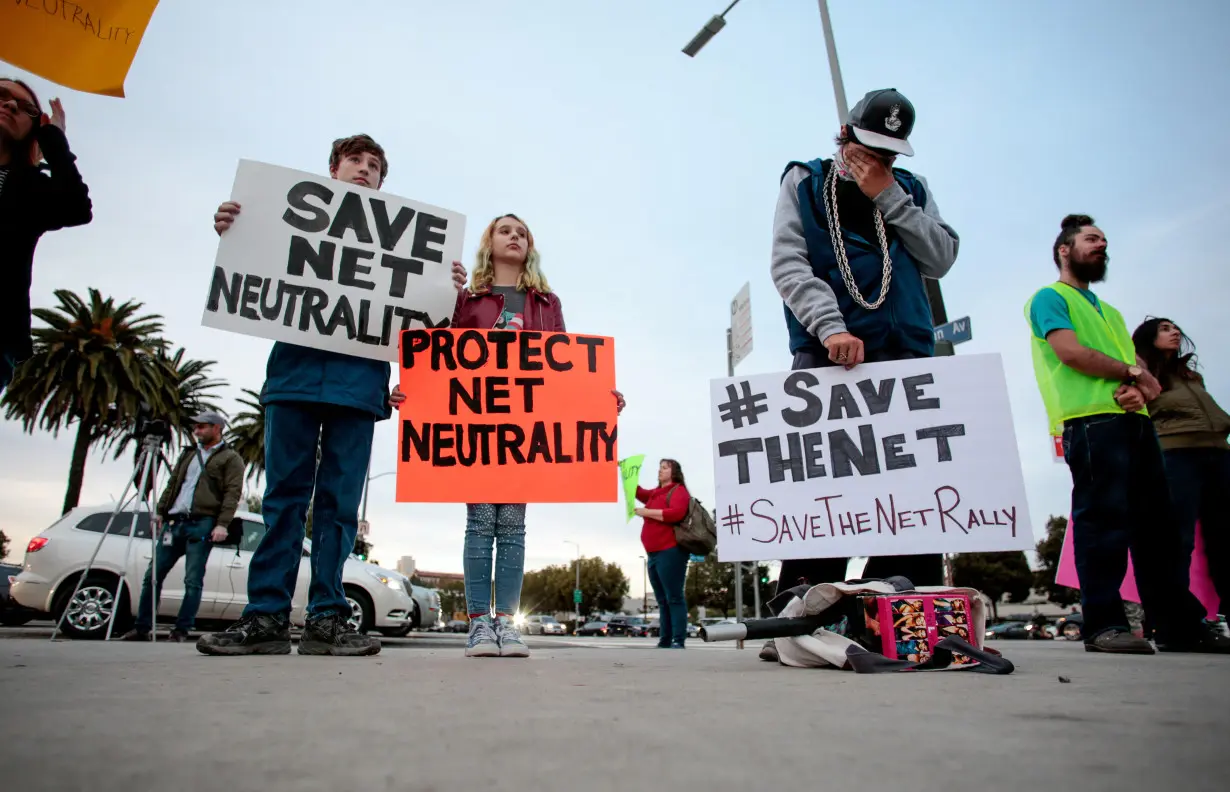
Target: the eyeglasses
(29, 108)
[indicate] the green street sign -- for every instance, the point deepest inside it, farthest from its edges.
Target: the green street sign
(576, 596)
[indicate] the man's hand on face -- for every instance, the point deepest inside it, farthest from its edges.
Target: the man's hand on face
(844, 349)
(218, 534)
(1130, 398)
(871, 173)
(225, 215)
(459, 275)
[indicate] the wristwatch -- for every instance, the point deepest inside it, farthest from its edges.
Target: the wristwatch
(1134, 373)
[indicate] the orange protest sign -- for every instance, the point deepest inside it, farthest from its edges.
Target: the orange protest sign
(86, 45)
(498, 416)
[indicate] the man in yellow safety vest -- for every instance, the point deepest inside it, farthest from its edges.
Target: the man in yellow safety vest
(1095, 392)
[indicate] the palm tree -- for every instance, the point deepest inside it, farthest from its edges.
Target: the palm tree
(187, 389)
(247, 434)
(94, 364)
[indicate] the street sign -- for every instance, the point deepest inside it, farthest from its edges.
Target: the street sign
(741, 325)
(364, 527)
(576, 596)
(958, 331)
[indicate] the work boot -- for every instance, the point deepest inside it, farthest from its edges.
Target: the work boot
(331, 634)
(1117, 641)
(1210, 640)
(768, 653)
(135, 635)
(509, 638)
(177, 636)
(257, 633)
(483, 641)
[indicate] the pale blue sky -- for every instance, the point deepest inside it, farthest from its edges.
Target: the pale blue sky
(636, 166)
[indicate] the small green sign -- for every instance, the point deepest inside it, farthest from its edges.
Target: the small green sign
(576, 596)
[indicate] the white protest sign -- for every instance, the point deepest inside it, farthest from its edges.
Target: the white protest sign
(915, 456)
(326, 264)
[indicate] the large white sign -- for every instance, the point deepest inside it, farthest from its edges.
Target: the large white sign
(741, 325)
(322, 263)
(915, 456)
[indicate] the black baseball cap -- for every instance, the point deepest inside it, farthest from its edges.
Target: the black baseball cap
(884, 119)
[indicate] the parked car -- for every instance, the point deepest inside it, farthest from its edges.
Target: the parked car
(543, 625)
(655, 629)
(633, 626)
(594, 628)
(426, 604)
(12, 613)
(1069, 627)
(57, 557)
(1012, 630)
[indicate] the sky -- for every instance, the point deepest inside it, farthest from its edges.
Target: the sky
(646, 173)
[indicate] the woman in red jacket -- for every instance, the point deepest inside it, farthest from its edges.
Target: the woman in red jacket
(666, 505)
(508, 291)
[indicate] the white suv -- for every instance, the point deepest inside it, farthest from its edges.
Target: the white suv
(55, 559)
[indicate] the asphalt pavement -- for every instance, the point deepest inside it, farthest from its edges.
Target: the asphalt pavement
(599, 714)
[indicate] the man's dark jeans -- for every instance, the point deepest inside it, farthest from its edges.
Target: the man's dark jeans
(291, 475)
(1121, 502)
(1200, 488)
(921, 570)
(668, 571)
(190, 541)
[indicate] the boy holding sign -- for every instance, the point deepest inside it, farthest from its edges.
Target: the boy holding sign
(508, 291)
(321, 408)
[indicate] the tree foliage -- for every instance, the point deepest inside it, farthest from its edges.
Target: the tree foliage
(4, 546)
(94, 364)
(549, 590)
(994, 574)
(246, 436)
(711, 584)
(1048, 555)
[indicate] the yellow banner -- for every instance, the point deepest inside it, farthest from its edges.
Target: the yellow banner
(86, 45)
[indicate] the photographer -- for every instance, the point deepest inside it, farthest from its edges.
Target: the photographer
(41, 190)
(197, 506)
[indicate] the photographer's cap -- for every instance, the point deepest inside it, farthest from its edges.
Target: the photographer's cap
(884, 119)
(209, 418)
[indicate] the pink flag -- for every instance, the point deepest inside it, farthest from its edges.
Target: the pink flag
(1201, 584)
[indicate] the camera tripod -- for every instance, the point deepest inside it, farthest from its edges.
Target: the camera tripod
(143, 479)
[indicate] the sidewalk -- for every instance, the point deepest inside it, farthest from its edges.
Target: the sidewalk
(102, 717)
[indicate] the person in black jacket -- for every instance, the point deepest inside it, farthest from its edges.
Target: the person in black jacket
(40, 191)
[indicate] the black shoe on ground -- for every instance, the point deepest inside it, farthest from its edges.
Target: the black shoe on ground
(1209, 641)
(135, 635)
(1118, 642)
(330, 634)
(255, 634)
(177, 636)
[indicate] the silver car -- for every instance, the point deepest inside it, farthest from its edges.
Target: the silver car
(57, 557)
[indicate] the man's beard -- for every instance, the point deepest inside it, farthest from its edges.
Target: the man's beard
(1091, 269)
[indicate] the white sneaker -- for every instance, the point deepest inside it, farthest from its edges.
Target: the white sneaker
(482, 641)
(509, 637)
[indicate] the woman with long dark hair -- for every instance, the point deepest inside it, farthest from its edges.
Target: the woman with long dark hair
(666, 505)
(1193, 429)
(40, 191)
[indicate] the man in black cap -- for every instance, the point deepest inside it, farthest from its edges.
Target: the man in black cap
(853, 238)
(194, 512)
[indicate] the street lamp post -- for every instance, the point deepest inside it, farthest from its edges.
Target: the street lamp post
(366, 484)
(578, 588)
(935, 298)
(645, 589)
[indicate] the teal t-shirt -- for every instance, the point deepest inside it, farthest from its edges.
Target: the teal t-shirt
(1049, 312)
